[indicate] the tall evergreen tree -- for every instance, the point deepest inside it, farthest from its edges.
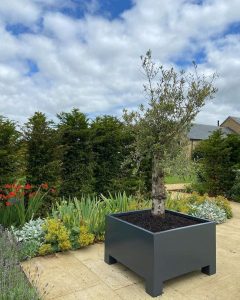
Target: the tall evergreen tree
(77, 158)
(10, 160)
(113, 172)
(218, 158)
(109, 146)
(41, 144)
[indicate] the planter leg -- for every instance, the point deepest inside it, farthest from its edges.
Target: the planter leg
(109, 259)
(209, 270)
(154, 287)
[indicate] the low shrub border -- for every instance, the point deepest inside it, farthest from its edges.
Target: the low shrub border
(77, 223)
(186, 203)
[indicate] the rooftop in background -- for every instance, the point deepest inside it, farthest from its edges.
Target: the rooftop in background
(235, 119)
(203, 131)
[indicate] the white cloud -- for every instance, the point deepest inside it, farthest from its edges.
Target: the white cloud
(223, 56)
(15, 11)
(94, 63)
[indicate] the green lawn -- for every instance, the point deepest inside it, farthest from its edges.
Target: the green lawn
(177, 179)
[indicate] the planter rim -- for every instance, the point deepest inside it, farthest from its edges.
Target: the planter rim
(203, 221)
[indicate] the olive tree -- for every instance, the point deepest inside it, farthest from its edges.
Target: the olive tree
(173, 100)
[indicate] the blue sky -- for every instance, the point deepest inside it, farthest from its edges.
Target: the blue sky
(78, 9)
(56, 55)
(110, 9)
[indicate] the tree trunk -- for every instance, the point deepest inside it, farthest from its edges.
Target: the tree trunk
(158, 189)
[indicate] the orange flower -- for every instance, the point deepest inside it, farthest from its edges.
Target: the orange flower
(19, 187)
(8, 203)
(8, 186)
(44, 186)
(28, 186)
(11, 195)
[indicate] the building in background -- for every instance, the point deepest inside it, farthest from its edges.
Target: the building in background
(199, 132)
(232, 123)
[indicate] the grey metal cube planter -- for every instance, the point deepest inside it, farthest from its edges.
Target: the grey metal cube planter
(160, 256)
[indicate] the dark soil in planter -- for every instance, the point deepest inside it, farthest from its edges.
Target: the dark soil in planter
(155, 224)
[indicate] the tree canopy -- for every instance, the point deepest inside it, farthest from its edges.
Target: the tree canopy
(173, 101)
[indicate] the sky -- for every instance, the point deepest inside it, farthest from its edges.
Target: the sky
(59, 54)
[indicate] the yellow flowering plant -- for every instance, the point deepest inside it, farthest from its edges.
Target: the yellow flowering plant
(56, 235)
(85, 237)
(45, 249)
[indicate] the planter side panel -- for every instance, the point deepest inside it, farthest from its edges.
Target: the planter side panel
(129, 245)
(181, 251)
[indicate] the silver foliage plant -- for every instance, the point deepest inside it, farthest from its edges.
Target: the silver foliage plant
(210, 211)
(30, 231)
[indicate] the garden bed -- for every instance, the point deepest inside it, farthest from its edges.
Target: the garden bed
(88, 277)
(77, 223)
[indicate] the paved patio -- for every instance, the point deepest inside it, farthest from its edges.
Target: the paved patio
(174, 187)
(83, 275)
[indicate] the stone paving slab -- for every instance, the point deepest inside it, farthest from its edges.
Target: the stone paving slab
(176, 186)
(83, 275)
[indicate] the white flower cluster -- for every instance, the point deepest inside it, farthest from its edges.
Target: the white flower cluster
(210, 211)
(30, 231)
